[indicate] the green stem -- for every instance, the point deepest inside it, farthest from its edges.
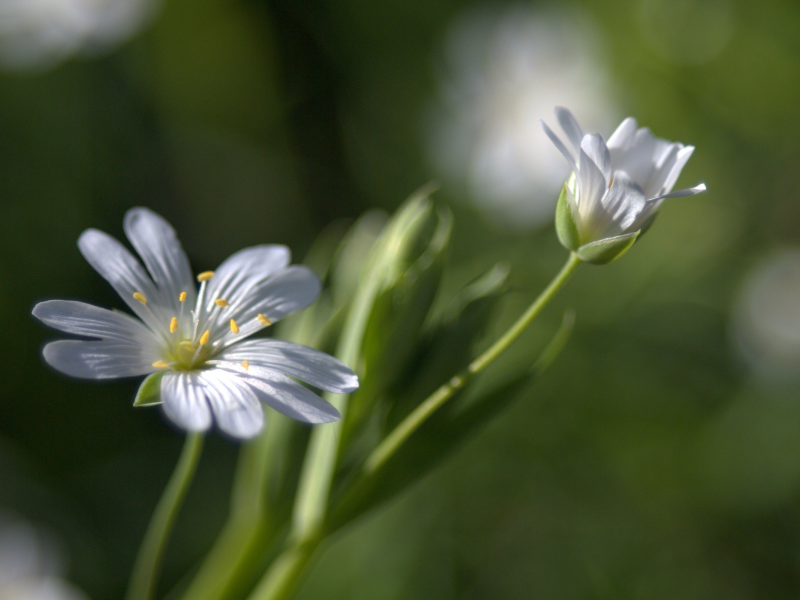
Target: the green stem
(409, 425)
(282, 577)
(143, 581)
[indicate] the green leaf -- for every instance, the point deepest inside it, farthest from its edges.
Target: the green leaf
(149, 392)
(565, 222)
(604, 251)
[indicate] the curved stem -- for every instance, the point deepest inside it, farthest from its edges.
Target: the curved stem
(409, 425)
(282, 577)
(143, 581)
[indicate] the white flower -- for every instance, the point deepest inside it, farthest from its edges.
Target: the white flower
(36, 34)
(194, 340)
(617, 186)
(30, 564)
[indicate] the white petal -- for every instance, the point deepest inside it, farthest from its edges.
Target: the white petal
(286, 396)
(156, 242)
(560, 145)
(99, 360)
(571, 129)
(312, 366)
(92, 321)
(595, 165)
(118, 266)
(244, 270)
(683, 157)
(183, 399)
(623, 202)
(236, 408)
(687, 192)
(286, 292)
(662, 170)
(637, 161)
(623, 135)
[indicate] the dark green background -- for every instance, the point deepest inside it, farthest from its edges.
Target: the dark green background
(649, 463)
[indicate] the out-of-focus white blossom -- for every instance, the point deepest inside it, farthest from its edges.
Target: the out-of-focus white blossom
(766, 325)
(30, 564)
(502, 73)
(36, 34)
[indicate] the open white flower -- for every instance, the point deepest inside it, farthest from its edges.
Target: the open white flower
(616, 186)
(192, 341)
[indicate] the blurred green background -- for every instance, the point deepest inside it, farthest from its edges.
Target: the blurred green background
(660, 455)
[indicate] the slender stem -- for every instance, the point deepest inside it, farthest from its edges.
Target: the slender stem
(143, 582)
(284, 574)
(409, 425)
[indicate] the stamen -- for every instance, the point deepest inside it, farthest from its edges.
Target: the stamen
(139, 297)
(246, 365)
(221, 303)
(161, 364)
(182, 297)
(205, 276)
(234, 326)
(173, 325)
(204, 338)
(264, 320)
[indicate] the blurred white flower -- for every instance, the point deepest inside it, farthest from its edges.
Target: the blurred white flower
(36, 34)
(30, 564)
(502, 73)
(766, 323)
(195, 341)
(617, 186)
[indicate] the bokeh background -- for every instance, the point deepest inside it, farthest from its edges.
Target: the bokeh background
(658, 458)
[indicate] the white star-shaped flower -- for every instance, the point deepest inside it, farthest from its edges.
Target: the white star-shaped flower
(620, 184)
(196, 339)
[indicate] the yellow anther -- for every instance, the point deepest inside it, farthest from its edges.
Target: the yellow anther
(139, 297)
(173, 325)
(205, 276)
(161, 364)
(246, 365)
(221, 303)
(234, 326)
(204, 338)
(182, 297)
(264, 320)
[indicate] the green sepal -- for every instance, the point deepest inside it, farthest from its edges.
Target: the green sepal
(604, 251)
(149, 392)
(648, 222)
(566, 229)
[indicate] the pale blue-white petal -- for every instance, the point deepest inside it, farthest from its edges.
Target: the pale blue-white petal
(241, 272)
(560, 146)
(92, 321)
(183, 399)
(99, 359)
(571, 129)
(286, 292)
(316, 368)
(157, 243)
(623, 136)
(284, 395)
(235, 405)
(125, 274)
(594, 175)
